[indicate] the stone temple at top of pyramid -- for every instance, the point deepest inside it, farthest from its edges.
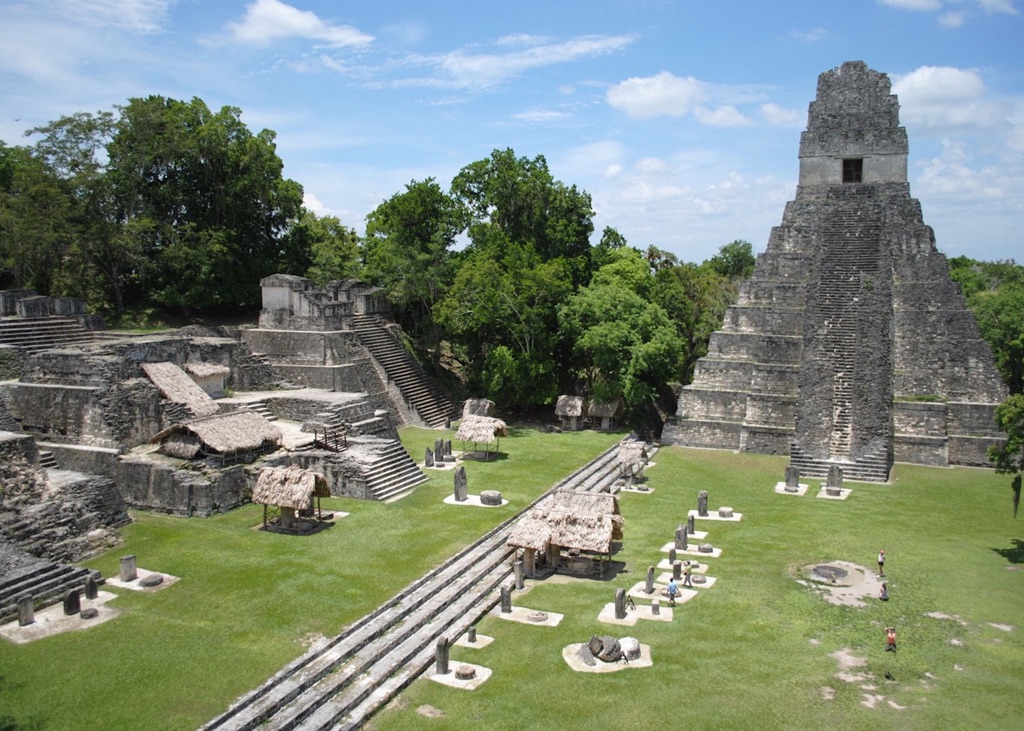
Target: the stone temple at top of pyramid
(850, 345)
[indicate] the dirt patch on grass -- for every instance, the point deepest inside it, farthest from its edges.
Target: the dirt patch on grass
(848, 662)
(430, 711)
(848, 585)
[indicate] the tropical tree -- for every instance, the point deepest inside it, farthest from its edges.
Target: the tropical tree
(407, 250)
(1009, 456)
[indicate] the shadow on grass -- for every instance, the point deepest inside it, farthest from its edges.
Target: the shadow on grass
(1014, 554)
(10, 723)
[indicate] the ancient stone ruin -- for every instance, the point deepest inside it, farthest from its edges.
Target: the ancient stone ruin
(850, 345)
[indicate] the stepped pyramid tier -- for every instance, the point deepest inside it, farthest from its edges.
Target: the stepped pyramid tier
(850, 344)
(340, 337)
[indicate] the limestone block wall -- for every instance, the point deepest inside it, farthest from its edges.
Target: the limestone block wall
(162, 488)
(62, 413)
(90, 460)
(12, 363)
(343, 476)
(708, 404)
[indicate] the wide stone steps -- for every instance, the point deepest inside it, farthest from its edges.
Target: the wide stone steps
(260, 407)
(393, 474)
(46, 584)
(37, 335)
(872, 468)
(419, 391)
(342, 682)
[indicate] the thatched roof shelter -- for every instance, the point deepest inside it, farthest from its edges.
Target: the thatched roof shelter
(481, 430)
(572, 520)
(569, 406)
(478, 407)
(289, 487)
(175, 385)
(604, 409)
(225, 435)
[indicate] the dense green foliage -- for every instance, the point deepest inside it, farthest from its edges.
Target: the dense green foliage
(756, 645)
(165, 204)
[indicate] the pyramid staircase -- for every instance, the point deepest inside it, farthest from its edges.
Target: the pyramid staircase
(35, 335)
(420, 392)
(260, 407)
(851, 248)
(393, 474)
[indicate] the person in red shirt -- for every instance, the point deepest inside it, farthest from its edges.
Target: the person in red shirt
(890, 639)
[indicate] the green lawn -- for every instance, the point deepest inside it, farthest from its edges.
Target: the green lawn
(754, 649)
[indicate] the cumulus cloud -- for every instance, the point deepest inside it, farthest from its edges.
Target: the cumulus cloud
(266, 21)
(774, 114)
(943, 97)
(663, 94)
(726, 116)
(953, 13)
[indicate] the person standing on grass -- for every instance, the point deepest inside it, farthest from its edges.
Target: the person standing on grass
(686, 575)
(890, 639)
(881, 563)
(673, 589)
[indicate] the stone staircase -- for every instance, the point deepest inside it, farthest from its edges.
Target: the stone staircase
(393, 475)
(38, 334)
(46, 582)
(340, 683)
(871, 468)
(260, 407)
(418, 389)
(47, 460)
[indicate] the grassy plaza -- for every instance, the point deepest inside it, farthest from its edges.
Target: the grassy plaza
(756, 648)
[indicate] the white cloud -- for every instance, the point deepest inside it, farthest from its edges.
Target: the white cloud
(998, 6)
(775, 114)
(467, 69)
(953, 19)
(725, 116)
(266, 21)
(809, 36)
(943, 97)
(919, 5)
(139, 16)
(664, 94)
(542, 115)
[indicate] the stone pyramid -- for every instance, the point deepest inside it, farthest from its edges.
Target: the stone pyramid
(850, 345)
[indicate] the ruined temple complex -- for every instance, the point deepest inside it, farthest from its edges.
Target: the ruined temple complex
(850, 345)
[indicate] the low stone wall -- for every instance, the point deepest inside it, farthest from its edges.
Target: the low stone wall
(93, 460)
(971, 451)
(697, 433)
(708, 404)
(723, 375)
(160, 487)
(764, 439)
(923, 418)
(917, 449)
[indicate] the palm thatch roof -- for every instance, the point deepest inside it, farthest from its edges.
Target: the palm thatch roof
(603, 409)
(573, 520)
(569, 406)
(478, 407)
(175, 385)
(481, 430)
(289, 487)
(226, 434)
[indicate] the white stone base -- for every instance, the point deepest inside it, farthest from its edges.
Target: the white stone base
(780, 488)
(52, 620)
(521, 614)
(660, 593)
(573, 660)
(664, 565)
(143, 573)
(473, 500)
(843, 494)
(642, 611)
(713, 515)
(709, 581)
(481, 641)
(449, 679)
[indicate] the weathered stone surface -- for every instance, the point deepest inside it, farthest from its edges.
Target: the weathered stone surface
(26, 611)
(702, 503)
(850, 316)
(129, 568)
(151, 580)
(428, 458)
(90, 613)
(725, 512)
(461, 487)
(706, 548)
(630, 647)
(620, 604)
(465, 672)
(72, 602)
(490, 497)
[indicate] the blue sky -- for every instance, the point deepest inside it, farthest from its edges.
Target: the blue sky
(681, 118)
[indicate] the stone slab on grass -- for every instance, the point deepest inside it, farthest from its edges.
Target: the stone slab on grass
(642, 611)
(660, 593)
(713, 515)
(664, 565)
(449, 679)
(573, 660)
(522, 614)
(801, 489)
(136, 585)
(473, 500)
(708, 583)
(52, 620)
(692, 551)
